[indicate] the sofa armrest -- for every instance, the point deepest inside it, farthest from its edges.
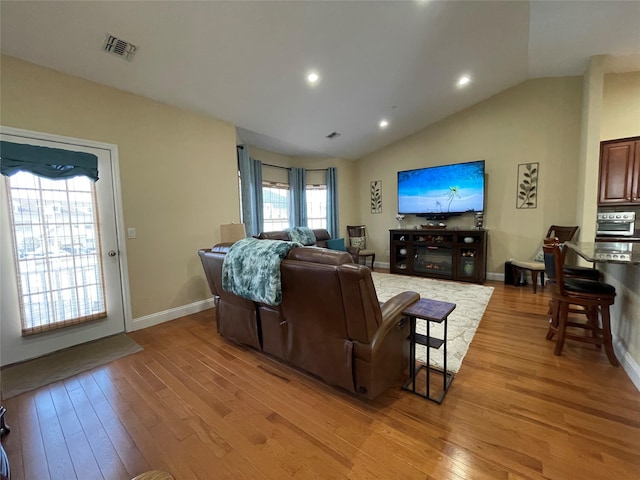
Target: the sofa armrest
(395, 305)
(391, 313)
(354, 252)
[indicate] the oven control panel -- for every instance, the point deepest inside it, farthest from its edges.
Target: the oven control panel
(617, 216)
(620, 257)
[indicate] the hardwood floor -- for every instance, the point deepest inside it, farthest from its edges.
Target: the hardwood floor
(200, 407)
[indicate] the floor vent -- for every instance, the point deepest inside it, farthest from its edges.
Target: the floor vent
(333, 135)
(119, 47)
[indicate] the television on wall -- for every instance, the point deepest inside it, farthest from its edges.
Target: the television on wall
(442, 191)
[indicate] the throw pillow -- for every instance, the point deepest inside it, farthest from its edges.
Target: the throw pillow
(303, 235)
(539, 256)
(336, 244)
(358, 242)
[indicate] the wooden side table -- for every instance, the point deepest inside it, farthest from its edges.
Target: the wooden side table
(430, 311)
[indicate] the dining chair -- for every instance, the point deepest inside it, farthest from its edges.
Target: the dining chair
(358, 238)
(535, 265)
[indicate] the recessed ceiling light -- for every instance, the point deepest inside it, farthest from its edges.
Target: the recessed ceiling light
(313, 78)
(463, 81)
(383, 123)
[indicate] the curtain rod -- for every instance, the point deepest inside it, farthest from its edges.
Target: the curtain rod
(289, 168)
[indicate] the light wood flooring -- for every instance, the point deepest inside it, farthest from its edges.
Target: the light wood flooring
(200, 407)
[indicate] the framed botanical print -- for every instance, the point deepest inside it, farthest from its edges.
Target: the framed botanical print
(376, 196)
(527, 185)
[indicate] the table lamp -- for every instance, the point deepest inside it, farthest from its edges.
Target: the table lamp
(232, 232)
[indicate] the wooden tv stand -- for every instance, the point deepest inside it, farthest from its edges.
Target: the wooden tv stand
(439, 253)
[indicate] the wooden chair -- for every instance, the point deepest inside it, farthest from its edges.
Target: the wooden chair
(536, 265)
(358, 238)
(592, 299)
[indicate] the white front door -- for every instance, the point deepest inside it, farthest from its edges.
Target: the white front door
(62, 264)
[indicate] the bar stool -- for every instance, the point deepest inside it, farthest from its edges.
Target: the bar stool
(568, 271)
(592, 297)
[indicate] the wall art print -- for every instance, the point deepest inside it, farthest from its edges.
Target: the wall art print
(527, 185)
(376, 196)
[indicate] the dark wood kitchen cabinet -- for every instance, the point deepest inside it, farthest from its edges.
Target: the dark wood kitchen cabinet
(620, 172)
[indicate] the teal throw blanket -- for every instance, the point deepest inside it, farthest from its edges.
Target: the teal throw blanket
(251, 269)
(303, 235)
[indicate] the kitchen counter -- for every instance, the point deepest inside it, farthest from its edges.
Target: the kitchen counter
(627, 253)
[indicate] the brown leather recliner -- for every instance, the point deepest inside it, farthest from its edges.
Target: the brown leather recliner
(329, 323)
(244, 327)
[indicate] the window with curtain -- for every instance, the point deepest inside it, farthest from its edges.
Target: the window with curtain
(332, 203)
(298, 205)
(250, 191)
(275, 201)
(55, 229)
(316, 206)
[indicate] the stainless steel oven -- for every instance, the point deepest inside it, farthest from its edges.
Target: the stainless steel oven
(616, 224)
(616, 251)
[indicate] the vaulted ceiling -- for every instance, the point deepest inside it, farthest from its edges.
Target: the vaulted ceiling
(246, 61)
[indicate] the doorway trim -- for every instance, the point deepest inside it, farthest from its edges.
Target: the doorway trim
(117, 198)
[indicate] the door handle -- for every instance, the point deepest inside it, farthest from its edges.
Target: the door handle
(112, 253)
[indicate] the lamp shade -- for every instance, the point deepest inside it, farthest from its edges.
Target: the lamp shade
(232, 232)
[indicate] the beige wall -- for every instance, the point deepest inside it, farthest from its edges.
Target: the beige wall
(537, 121)
(621, 119)
(269, 173)
(621, 106)
(178, 172)
(588, 168)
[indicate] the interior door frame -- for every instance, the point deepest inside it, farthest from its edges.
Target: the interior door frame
(117, 198)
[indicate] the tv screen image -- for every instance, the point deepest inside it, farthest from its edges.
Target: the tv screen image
(442, 190)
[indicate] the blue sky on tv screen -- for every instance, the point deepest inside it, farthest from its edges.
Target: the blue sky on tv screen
(446, 189)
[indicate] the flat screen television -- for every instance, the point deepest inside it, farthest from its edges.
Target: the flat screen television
(442, 191)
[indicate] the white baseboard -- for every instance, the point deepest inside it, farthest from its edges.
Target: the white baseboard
(627, 362)
(171, 314)
(495, 276)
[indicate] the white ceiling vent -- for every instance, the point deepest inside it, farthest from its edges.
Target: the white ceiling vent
(119, 47)
(333, 135)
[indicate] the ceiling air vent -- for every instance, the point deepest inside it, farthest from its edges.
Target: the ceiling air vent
(333, 135)
(119, 47)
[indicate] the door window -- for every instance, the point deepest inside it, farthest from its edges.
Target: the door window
(56, 242)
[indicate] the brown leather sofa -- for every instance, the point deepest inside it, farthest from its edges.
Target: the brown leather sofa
(322, 235)
(329, 323)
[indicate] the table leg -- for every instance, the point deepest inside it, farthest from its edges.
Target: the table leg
(444, 351)
(412, 353)
(428, 366)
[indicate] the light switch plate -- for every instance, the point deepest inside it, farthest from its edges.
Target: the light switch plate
(131, 232)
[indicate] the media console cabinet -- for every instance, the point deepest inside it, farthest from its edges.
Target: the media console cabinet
(439, 253)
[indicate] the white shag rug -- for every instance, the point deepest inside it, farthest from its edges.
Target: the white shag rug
(471, 301)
